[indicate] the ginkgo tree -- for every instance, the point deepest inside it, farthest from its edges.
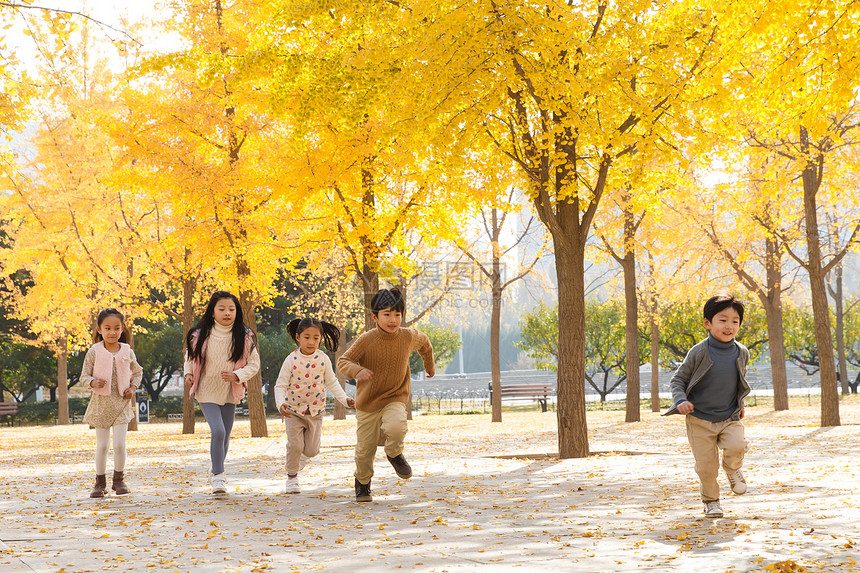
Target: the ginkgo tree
(568, 93)
(78, 258)
(798, 79)
(203, 131)
(519, 246)
(747, 222)
(368, 159)
(639, 196)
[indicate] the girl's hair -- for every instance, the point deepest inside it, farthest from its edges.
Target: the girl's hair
(123, 337)
(330, 333)
(204, 327)
(386, 298)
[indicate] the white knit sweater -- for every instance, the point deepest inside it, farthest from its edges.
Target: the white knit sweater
(212, 387)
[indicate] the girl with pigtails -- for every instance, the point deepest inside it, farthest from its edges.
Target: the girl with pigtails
(300, 392)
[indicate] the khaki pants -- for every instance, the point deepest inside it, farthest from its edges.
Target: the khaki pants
(705, 437)
(303, 437)
(391, 420)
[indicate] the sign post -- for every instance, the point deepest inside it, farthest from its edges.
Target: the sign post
(142, 406)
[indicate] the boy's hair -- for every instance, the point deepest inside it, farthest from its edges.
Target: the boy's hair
(204, 327)
(386, 298)
(123, 336)
(330, 333)
(722, 301)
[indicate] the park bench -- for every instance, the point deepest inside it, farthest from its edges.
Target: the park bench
(174, 417)
(8, 410)
(538, 391)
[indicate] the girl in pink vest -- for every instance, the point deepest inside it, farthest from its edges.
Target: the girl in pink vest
(112, 372)
(221, 356)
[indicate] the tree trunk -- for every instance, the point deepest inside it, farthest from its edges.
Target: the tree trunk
(776, 346)
(820, 306)
(772, 302)
(256, 404)
(62, 381)
(187, 319)
(495, 324)
(631, 330)
(370, 284)
(402, 288)
(369, 273)
(572, 423)
(340, 409)
(132, 425)
(495, 330)
(840, 329)
(655, 364)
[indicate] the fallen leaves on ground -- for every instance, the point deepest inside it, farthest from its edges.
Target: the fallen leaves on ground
(484, 495)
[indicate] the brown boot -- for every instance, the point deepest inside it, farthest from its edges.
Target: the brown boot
(100, 487)
(118, 485)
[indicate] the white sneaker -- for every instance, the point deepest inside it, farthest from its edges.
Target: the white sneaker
(219, 483)
(737, 481)
(713, 509)
(292, 485)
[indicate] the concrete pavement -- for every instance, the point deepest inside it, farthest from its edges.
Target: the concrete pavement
(484, 497)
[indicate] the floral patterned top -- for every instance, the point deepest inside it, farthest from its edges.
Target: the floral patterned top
(302, 382)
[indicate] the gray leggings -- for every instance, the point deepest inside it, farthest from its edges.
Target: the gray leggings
(220, 419)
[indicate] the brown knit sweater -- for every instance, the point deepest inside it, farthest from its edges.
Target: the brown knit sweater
(387, 356)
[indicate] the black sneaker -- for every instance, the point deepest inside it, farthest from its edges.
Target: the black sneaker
(362, 491)
(401, 466)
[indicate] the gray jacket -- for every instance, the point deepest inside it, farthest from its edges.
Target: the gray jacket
(696, 364)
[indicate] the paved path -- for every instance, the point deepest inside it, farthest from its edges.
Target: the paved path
(484, 497)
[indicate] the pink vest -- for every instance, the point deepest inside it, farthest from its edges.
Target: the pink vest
(104, 365)
(197, 365)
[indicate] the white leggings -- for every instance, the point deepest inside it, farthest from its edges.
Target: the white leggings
(103, 445)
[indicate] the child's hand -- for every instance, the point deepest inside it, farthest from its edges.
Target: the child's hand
(430, 372)
(364, 375)
(350, 403)
(229, 376)
(128, 392)
(685, 407)
(285, 412)
(99, 383)
(189, 380)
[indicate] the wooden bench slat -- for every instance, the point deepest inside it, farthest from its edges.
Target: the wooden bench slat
(536, 389)
(539, 392)
(9, 410)
(523, 389)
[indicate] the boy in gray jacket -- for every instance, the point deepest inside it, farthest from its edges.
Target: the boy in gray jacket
(709, 389)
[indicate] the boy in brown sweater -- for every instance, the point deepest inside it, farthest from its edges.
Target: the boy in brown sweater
(379, 362)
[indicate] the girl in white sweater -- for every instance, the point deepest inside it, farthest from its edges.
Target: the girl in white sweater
(221, 356)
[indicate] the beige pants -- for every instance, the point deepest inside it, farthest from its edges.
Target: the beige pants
(705, 437)
(303, 437)
(391, 420)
